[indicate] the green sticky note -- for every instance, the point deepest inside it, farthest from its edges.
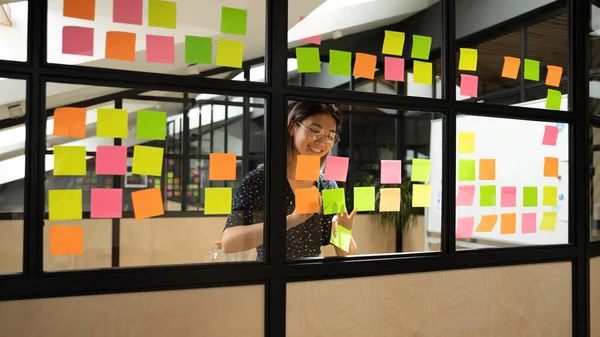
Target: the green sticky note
(487, 195)
(393, 43)
(230, 53)
(151, 125)
(422, 72)
(343, 238)
(530, 196)
(364, 199)
(217, 200)
(195, 193)
(532, 70)
(421, 170)
(421, 47)
(157, 183)
(69, 161)
(554, 99)
(147, 160)
(177, 186)
(170, 181)
(468, 59)
(548, 221)
(340, 62)
(334, 201)
(198, 49)
(309, 60)
(65, 205)
(466, 170)
(550, 196)
(112, 123)
(233, 21)
(162, 14)
(170, 175)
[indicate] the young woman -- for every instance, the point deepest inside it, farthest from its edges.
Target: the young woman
(312, 130)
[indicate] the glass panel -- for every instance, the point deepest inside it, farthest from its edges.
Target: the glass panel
(514, 193)
(594, 59)
(13, 30)
(595, 185)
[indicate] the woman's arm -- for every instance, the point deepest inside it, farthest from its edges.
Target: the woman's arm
(242, 238)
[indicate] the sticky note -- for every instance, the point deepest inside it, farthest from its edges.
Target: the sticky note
(469, 85)
(364, 199)
(551, 167)
(364, 66)
(307, 200)
(65, 205)
(340, 62)
(217, 200)
(554, 76)
(487, 195)
(147, 203)
(421, 170)
(468, 59)
(336, 168)
(531, 70)
(78, 40)
(389, 199)
(465, 195)
(80, 9)
(147, 160)
(391, 172)
(421, 47)
(487, 223)
(69, 160)
(553, 99)
(343, 238)
(511, 67)
(233, 21)
(230, 53)
(312, 39)
(309, 60)
(550, 135)
(70, 122)
(487, 169)
(421, 195)
(151, 125)
(464, 227)
(160, 49)
(111, 160)
(162, 14)
(120, 46)
(508, 196)
(393, 69)
(198, 49)
(423, 72)
(308, 167)
(530, 197)
(393, 43)
(466, 169)
(106, 203)
(550, 196)
(66, 240)
(112, 123)
(222, 166)
(466, 142)
(334, 201)
(508, 223)
(128, 11)
(528, 223)
(548, 221)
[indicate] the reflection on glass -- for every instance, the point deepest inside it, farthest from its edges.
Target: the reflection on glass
(595, 185)
(13, 30)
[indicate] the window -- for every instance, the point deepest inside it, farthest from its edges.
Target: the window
(13, 30)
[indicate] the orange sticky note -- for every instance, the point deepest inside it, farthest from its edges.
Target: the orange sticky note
(364, 66)
(120, 46)
(308, 167)
(487, 169)
(554, 75)
(550, 167)
(389, 199)
(147, 203)
(307, 200)
(69, 122)
(80, 9)
(508, 223)
(66, 240)
(222, 166)
(511, 67)
(487, 223)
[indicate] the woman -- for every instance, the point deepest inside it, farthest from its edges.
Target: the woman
(312, 130)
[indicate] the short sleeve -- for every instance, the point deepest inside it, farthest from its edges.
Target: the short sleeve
(326, 219)
(248, 202)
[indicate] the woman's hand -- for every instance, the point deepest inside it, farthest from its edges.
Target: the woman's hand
(343, 219)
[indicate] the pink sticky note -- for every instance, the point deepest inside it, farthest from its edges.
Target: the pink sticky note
(464, 227)
(128, 11)
(189, 193)
(169, 194)
(111, 160)
(171, 161)
(528, 223)
(465, 195)
(313, 39)
(394, 69)
(550, 135)
(508, 196)
(107, 203)
(170, 187)
(391, 171)
(160, 49)
(468, 85)
(78, 40)
(336, 168)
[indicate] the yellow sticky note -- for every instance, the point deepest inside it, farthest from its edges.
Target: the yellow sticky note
(466, 142)
(389, 200)
(147, 160)
(69, 161)
(548, 221)
(468, 59)
(393, 43)
(421, 195)
(217, 200)
(550, 195)
(422, 72)
(65, 205)
(112, 123)
(230, 53)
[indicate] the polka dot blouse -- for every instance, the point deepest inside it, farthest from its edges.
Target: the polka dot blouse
(304, 240)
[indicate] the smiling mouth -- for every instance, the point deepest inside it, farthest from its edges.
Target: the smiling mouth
(314, 150)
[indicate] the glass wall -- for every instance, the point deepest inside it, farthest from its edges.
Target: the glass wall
(14, 17)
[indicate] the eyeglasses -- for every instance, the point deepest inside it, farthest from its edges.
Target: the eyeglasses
(317, 133)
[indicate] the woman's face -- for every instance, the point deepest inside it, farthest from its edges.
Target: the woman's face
(304, 135)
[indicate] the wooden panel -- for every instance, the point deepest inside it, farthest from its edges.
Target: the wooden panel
(595, 296)
(533, 300)
(235, 311)
(11, 246)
